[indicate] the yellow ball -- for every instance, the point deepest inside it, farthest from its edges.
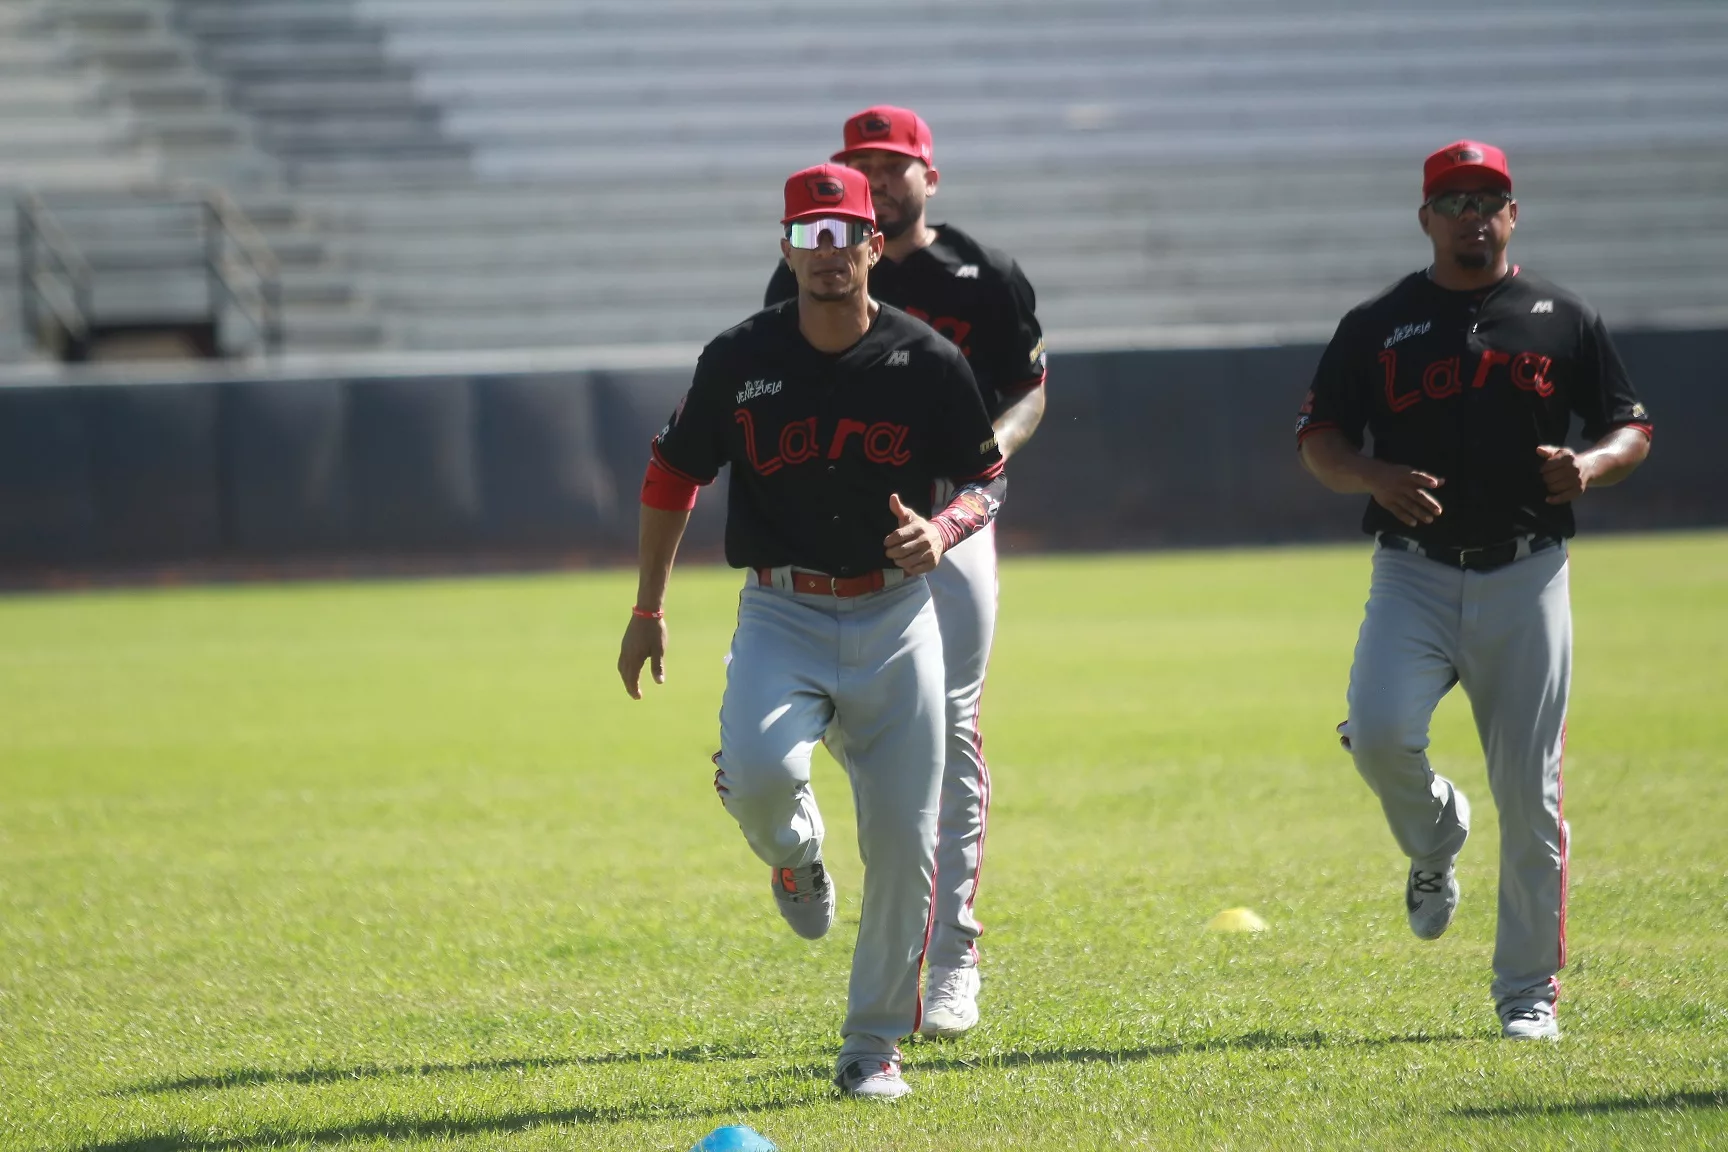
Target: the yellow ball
(1237, 920)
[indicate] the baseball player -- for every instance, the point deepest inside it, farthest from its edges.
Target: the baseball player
(978, 298)
(1467, 375)
(837, 415)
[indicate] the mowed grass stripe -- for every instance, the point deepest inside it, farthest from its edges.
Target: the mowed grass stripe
(398, 865)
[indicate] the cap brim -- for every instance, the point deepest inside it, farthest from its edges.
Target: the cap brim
(823, 213)
(1477, 170)
(846, 154)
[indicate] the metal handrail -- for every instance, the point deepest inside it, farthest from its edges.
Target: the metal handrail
(226, 221)
(59, 244)
(37, 229)
(68, 314)
(238, 262)
(240, 228)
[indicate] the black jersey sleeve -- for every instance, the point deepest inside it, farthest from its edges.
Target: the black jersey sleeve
(1603, 395)
(781, 286)
(965, 446)
(1021, 363)
(1339, 395)
(692, 446)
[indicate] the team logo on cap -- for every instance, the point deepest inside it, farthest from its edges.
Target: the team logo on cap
(874, 125)
(825, 189)
(1464, 156)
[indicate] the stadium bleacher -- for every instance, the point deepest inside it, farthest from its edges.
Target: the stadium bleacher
(449, 175)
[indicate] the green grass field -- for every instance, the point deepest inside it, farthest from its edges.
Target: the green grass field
(399, 866)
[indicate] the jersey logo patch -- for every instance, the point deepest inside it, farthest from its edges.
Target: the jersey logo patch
(1405, 331)
(755, 388)
(1542, 306)
(966, 272)
(899, 359)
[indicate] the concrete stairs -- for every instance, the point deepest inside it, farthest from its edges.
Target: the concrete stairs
(132, 61)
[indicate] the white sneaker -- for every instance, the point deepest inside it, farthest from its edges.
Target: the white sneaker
(873, 1078)
(1529, 1020)
(1431, 896)
(951, 1005)
(805, 897)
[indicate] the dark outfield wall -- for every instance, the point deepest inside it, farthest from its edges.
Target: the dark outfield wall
(1138, 449)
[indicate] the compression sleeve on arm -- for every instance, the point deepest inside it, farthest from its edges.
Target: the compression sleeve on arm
(974, 506)
(667, 490)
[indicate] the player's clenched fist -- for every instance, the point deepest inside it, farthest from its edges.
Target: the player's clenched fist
(1406, 493)
(1563, 473)
(644, 640)
(915, 546)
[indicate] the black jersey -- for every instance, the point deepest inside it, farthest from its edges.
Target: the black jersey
(1465, 385)
(974, 295)
(818, 441)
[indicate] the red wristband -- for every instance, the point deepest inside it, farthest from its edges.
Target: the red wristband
(644, 614)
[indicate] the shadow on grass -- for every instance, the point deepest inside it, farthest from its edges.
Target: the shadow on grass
(243, 1077)
(425, 1129)
(1249, 1041)
(1673, 1101)
(922, 1055)
(429, 1128)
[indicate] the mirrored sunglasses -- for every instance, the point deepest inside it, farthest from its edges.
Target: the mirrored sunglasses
(1455, 204)
(841, 232)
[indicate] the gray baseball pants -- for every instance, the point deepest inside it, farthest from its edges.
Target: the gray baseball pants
(1506, 636)
(865, 673)
(965, 587)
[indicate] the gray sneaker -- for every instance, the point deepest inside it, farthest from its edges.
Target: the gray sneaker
(951, 1005)
(1431, 894)
(1431, 898)
(805, 897)
(1529, 1020)
(873, 1078)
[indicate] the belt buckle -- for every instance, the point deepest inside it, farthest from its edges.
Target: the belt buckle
(1464, 553)
(820, 583)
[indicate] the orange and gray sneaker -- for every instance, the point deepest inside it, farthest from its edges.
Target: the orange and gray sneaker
(873, 1078)
(806, 899)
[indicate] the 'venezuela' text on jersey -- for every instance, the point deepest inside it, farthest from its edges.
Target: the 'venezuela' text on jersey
(974, 295)
(818, 441)
(1464, 385)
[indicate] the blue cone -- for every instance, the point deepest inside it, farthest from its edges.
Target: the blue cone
(734, 1138)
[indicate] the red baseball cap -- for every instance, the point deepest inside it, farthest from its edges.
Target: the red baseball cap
(887, 129)
(828, 190)
(1465, 156)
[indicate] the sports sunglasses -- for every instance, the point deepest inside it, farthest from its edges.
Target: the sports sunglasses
(1455, 204)
(841, 232)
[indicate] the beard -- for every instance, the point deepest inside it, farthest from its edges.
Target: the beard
(895, 226)
(834, 295)
(1475, 259)
(893, 229)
